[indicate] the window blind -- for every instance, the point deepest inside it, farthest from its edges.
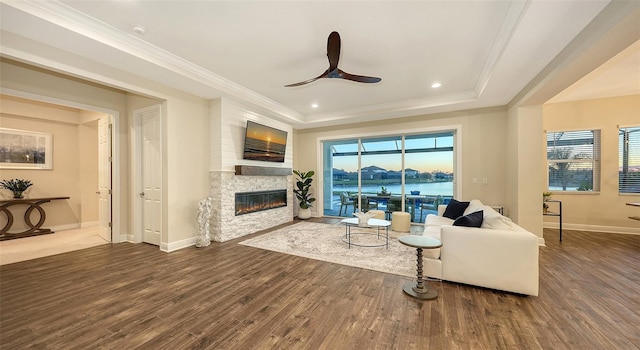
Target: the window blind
(629, 160)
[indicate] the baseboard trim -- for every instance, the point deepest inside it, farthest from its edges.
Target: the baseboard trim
(595, 228)
(173, 246)
(63, 227)
(89, 224)
(73, 226)
(126, 238)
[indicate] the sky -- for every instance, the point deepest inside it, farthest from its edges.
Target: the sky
(423, 161)
(265, 133)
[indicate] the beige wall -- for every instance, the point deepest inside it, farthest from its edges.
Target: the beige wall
(606, 210)
(88, 171)
(524, 180)
(187, 164)
(484, 141)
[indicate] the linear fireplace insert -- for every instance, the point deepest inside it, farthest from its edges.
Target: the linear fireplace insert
(251, 202)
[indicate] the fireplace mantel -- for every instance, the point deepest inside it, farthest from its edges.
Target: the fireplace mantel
(261, 170)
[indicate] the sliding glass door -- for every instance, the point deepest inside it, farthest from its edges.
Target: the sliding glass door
(412, 173)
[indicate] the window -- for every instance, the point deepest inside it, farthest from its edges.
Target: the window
(629, 160)
(414, 166)
(573, 158)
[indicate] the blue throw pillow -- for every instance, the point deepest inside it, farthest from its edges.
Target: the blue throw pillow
(455, 209)
(472, 220)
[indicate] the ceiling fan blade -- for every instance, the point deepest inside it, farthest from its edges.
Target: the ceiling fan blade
(323, 75)
(358, 78)
(333, 54)
(333, 50)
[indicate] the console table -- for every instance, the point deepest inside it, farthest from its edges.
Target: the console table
(32, 204)
(558, 214)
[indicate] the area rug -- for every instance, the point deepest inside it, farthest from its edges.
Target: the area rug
(325, 242)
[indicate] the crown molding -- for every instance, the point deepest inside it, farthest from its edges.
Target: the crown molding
(66, 17)
(397, 109)
(512, 19)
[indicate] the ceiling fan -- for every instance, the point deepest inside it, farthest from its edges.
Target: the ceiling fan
(333, 53)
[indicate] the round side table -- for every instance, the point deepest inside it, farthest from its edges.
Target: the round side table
(419, 289)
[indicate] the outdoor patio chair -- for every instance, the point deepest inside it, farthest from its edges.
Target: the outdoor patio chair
(393, 204)
(345, 202)
(367, 204)
(429, 203)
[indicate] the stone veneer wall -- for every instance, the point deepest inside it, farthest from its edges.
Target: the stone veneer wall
(225, 225)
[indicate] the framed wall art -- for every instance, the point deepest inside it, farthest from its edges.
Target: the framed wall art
(22, 149)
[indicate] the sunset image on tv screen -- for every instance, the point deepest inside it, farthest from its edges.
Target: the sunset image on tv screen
(264, 143)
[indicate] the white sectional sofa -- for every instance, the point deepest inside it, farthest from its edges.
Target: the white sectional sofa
(499, 254)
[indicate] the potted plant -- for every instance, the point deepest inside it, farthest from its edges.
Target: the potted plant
(302, 193)
(17, 186)
(384, 192)
(545, 197)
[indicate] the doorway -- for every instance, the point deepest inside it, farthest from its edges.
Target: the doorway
(95, 223)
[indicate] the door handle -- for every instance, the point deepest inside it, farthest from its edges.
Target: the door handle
(141, 194)
(97, 192)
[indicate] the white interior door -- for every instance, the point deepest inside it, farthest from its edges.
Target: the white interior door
(104, 177)
(151, 169)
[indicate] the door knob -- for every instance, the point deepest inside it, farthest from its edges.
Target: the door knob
(141, 194)
(97, 192)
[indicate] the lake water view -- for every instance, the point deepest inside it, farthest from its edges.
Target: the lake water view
(426, 188)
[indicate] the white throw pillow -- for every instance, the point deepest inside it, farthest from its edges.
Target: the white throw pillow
(494, 220)
(498, 223)
(474, 206)
(491, 219)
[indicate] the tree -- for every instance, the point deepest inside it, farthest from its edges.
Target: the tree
(559, 170)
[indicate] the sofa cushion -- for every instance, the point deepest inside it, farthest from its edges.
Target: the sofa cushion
(455, 209)
(435, 220)
(431, 231)
(472, 220)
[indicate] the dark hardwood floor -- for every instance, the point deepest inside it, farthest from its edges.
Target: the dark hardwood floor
(229, 296)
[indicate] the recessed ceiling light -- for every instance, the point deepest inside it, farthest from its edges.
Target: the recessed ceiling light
(138, 29)
(436, 85)
(314, 105)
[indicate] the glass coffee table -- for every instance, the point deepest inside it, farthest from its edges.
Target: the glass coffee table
(372, 223)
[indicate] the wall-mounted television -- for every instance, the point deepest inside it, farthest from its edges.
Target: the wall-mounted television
(264, 143)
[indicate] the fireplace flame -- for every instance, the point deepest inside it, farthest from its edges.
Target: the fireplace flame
(251, 202)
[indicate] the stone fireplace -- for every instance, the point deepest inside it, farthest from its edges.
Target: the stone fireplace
(225, 186)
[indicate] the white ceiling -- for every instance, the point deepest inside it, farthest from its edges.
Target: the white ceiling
(483, 52)
(619, 76)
